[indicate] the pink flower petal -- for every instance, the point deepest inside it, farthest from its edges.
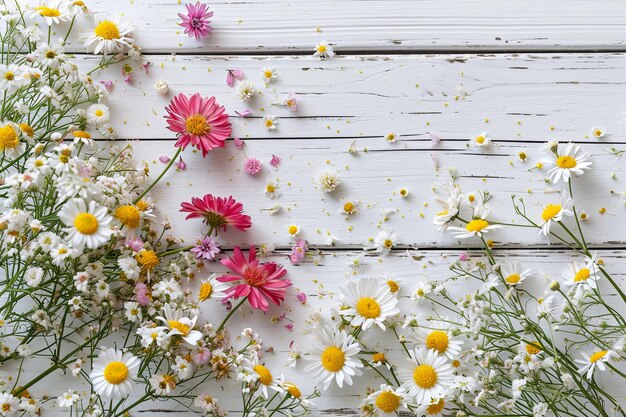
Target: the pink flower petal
(275, 161)
(238, 143)
(181, 165)
(244, 113)
(434, 138)
(108, 85)
(164, 159)
(146, 66)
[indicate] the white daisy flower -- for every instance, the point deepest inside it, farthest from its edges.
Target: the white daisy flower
(268, 74)
(391, 137)
(323, 50)
(53, 11)
(295, 392)
(598, 132)
(271, 188)
(592, 361)
(9, 405)
(423, 289)
(245, 90)
(11, 78)
(427, 375)
(387, 401)
(68, 399)
(385, 241)
(449, 198)
(270, 122)
(369, 301)
(349, 208)
(513, 274)
(88, 225)
(178, 325)
(437, 335)
(328, 181)
(113, 373)
(440, 407)
(255, 371)
(566, 160)
(182, 367)
(476, 227)
(481, 140)
(581, 272)
(98, 114)
(109, 36)
(33, 276)
(293, 230)
(332, 355)
(10, 143)
(211, 288)
(555, 213)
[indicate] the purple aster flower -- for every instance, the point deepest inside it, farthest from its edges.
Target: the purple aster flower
(196, 21)
(206, 249)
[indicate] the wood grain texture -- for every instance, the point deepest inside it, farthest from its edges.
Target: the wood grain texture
(326, 277)
(271, 26)
(528, 97)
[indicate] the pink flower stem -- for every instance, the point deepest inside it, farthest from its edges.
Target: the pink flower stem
(167, 167)
(230, 313)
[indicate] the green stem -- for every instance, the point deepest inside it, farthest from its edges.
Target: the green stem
(167, 167)
(230, 313)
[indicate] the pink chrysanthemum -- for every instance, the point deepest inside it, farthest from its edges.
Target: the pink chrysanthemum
(196, 21)
(252, 166)
(218, 212)
(199, 121)
(259, 282)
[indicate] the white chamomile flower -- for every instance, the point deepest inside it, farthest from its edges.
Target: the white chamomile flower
(270, 122)
(68, 399)
(328, 181)
(293, 230)
(598, 132)
(349, 207)
(271, 188)
(391, 137)
(449, 199)
(438, 408)
(323, 50)
(475, 227)
(113, 373)
(581, 272)
(87, 225)
(108, 36)
(403, 192)
(10, 143)
(268, 74)
(9, 404)
(428, 375)
(333, 355)
(11, 78)
(437, 335)
(211, 288)
(98, 114)
(245, 90)
(566, 160)
(592, 361)
(295, 392)
(53, 11)
(385, 241)
(481, 140)
(387, 401)
(259, 372)
(513, 274)
(178, 325)
(555, 213)
(33, 276)
(423, 289)
(368, 301)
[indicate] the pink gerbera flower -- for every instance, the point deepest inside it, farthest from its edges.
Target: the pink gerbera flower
(199, 121)
(196, 21)
(259, 282)
(217, 212)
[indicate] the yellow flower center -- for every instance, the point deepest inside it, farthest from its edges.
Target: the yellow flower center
(378, 357)
(456, 363)
(333, 359)
(348, 207)
(437, 340)
(388, 243)
(533, 349)
(265, 376)
(116, 372)
(147, 259)
(270, 188)
(368, 307)
(86, 223)
(128, 215)
(8, 137)
(393, 286)
(425, 376)
(81, 134)
(107, 30)
(597, 356)
(388, 401)
(437, 407)
(197, 125)
(206, 289)
(142, 205)
(6, 407)
(597, 133)
(550, 211)
(480, 139)
(177, 325)
(582, 275)
(46, 11)
(566, 162)
(9, 76)
(293, 390)
(268, 74)
(99, 112)
(269, 123)
(321, 49)
(476, 225)
(293, 229)
(27, 129)
(513, 279)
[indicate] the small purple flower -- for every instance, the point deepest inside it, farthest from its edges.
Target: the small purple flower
(252, 166)
(301, 297)
(135, 244)
(196, 21)
(298, 251)
(142, 294)
(206, 249)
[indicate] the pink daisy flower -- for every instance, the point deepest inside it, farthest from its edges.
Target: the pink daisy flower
(252, 166)
(196, 21)
(198, 120)
(218, 212)
(259, 282)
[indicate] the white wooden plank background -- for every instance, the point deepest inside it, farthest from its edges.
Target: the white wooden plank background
(547, 83)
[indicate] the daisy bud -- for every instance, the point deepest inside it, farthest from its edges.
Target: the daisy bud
(161, 88)
(555, 286)
(56, 137)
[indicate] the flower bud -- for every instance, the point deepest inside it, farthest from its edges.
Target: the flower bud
(161, 88)
(555, 286)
